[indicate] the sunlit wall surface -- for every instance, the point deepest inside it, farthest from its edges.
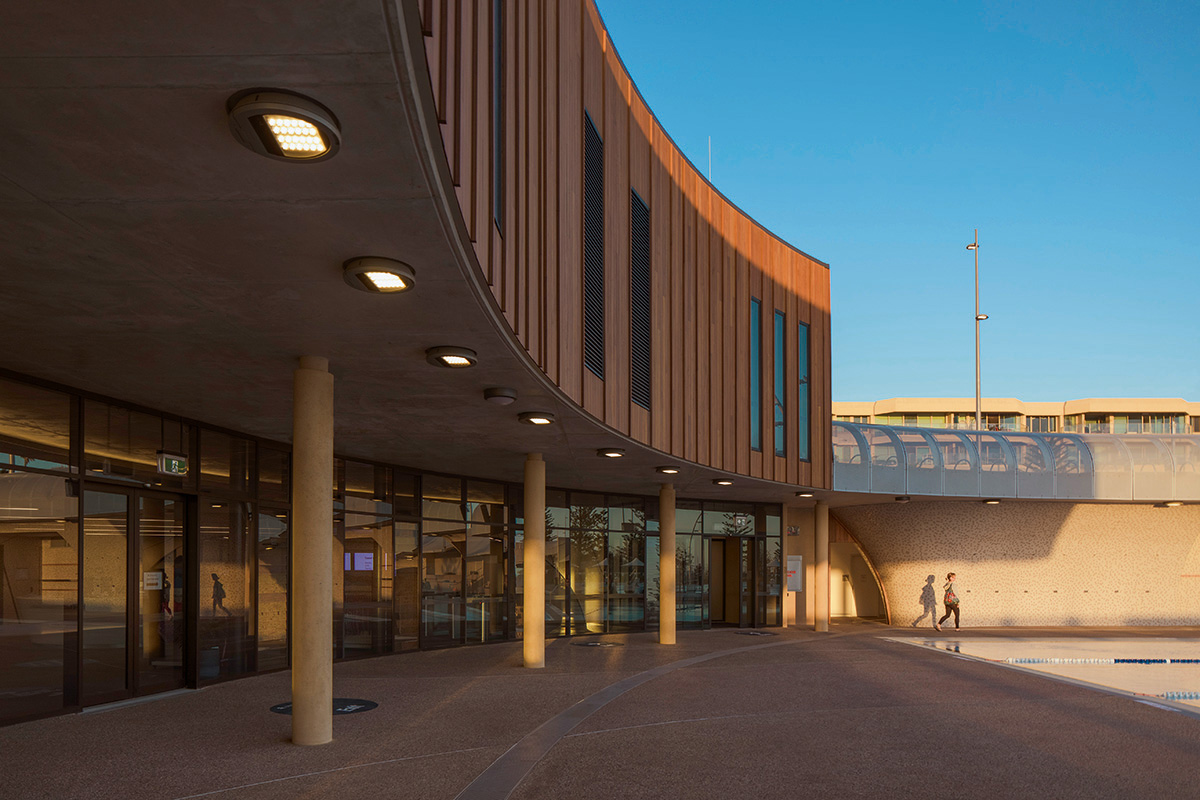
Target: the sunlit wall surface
(1064, 466)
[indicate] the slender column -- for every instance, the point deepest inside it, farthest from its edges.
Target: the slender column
(312, 552)
(535, 561)
(666, 564)
(821, 567)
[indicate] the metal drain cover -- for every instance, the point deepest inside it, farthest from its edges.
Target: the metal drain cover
(597, 644)
(341, 705)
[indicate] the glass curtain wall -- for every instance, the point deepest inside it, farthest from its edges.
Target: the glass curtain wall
(105, 609)
(39, 553)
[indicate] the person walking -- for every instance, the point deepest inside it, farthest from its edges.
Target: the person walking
(951, 601)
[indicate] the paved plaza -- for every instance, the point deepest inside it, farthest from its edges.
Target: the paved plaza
(858, 712)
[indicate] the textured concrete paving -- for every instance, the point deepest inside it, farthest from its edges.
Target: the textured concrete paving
(846, 714)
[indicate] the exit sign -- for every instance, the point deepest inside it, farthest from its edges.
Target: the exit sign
(172, 463)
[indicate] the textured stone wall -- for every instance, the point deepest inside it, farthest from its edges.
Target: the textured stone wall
(1032, 563)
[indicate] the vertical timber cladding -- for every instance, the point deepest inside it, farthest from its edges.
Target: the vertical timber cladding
(703, 257)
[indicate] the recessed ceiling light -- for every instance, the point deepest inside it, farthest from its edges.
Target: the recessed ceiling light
(1173, 503)
(903, 499)
(991, 502)
(500, 395)
(536, 417)
(452, 357)
(284, 126)
(722, 482)
(379, 275)
(667, 470)
(610, 452)
(804, 494)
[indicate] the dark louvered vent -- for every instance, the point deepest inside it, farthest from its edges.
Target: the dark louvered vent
(639, 299)
(593, 249)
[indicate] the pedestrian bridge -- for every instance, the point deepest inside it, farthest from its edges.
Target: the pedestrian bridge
(998, 464)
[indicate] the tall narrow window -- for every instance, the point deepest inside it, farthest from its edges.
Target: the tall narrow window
(780, 389)
(755, 374)
(802, 393)
(498, 113)
(593, 249)
(639, 299)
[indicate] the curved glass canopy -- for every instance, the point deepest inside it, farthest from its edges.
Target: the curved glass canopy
(888, 459)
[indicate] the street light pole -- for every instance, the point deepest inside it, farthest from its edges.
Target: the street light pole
(978, 318)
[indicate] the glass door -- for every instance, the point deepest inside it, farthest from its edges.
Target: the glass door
(160, 581)
(134, 576)
(104, 675)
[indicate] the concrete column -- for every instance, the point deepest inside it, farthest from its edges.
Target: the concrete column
(821, 576)
(535, 561)
(666, 564)
(312, 552)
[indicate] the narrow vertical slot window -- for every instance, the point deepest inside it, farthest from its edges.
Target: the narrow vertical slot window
(780, 388)
(593, 249)
(802, 393)
(498, 114)
(755, 374)
(639, 299)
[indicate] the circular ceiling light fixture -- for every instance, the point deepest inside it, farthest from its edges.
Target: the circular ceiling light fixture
(283, 125)
(722, 482)
(451, 357)
(379, 275)
(804, 494)
(536, 417)
(610, 452)
(500, 395)
(667, 470)
(1173, 503)
(903, 499)
(991, 502)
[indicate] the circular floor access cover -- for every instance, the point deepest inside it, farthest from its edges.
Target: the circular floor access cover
(597, 644)
(757, 633)
(341, 705)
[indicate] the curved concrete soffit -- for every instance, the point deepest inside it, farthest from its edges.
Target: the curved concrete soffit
(416, 95)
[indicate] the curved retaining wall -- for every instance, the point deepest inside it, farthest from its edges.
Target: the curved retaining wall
(1037, 563)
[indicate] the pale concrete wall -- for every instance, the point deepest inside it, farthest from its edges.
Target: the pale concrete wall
(1037, 563)
(800, 606)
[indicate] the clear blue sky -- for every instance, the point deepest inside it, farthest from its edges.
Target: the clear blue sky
(877, 135)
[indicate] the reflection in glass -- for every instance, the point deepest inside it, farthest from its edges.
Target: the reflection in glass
(587, 579)
(123, 445)
(441, 497)
(486, 571)
(273, 562)
(367, 586)
(627, 572)
(780, 390)
(442, 548)
(691, 581)
(105, 576)
(274, 478)
(226, 624)
(406, 586)
(226, 462)
(161, 580)
(35, 427)
(653, 584)
(558, 546)
(38, 593)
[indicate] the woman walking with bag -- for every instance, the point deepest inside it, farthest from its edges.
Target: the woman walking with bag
(951, 601)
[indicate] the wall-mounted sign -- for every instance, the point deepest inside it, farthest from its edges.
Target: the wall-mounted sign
(172, 463)
(795, 573)
(152, 580)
